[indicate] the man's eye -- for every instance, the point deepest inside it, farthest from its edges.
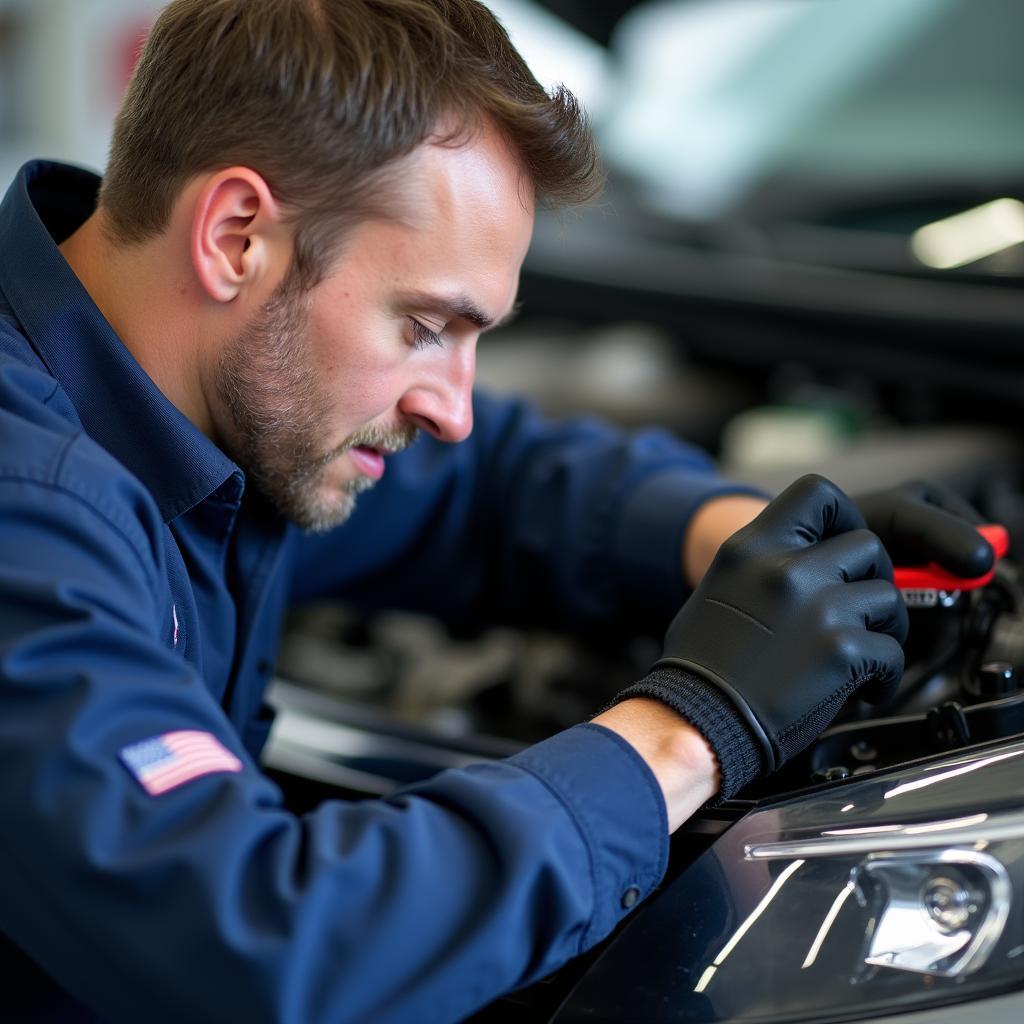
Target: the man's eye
(423, 336)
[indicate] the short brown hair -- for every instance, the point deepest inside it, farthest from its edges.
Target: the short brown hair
(320, 97)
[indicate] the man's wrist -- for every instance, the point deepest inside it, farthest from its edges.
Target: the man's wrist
(677, 754)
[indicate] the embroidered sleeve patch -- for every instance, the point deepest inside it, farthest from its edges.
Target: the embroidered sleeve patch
(168, 761)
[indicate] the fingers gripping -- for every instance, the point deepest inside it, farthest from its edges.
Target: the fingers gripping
(942, 497)
(810, 510)
(945, 536)
(848, 557)
(874, 605)
(879, 668)
(923, 522)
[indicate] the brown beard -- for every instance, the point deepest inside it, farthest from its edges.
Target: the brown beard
(270, 387)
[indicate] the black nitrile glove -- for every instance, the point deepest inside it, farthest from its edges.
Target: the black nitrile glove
(921, 522)
(796, 613)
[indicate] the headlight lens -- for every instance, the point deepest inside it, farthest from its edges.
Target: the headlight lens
(893, 892)
(939, 914)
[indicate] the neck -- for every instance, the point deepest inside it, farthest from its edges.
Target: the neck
(144, 299)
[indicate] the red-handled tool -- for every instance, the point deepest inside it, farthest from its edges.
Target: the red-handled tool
(934, 577)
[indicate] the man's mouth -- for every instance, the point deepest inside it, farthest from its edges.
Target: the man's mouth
(370, 461)
(378, 444)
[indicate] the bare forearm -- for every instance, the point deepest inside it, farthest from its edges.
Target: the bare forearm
(712, 524)
(677, 754)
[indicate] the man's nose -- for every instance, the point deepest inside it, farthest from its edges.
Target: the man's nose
(441, 402)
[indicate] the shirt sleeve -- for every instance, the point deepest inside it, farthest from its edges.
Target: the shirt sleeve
(208, 901)
(565, 524)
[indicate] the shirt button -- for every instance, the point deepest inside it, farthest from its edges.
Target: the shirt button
(629, 897)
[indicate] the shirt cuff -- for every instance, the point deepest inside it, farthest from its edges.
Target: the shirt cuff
(616, 804)
(648, 539)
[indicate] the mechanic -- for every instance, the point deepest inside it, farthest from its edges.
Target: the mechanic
(312, 210)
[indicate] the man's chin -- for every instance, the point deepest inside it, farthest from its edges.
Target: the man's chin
(323, 508)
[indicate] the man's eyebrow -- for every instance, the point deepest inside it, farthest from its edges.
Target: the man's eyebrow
(459, 306)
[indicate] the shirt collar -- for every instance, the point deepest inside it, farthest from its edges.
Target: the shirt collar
(119, 405)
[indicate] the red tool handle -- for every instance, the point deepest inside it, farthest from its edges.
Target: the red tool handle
(934, 577)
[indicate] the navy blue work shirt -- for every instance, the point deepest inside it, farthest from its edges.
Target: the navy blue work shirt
(148, 870)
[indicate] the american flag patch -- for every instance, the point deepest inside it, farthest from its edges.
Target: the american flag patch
(167, 761)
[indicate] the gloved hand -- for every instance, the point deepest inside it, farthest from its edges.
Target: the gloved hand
(921, 522)
(796, 613)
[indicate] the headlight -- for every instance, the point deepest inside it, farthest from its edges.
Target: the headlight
(894, 892)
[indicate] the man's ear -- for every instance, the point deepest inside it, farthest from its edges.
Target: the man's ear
(239, 238)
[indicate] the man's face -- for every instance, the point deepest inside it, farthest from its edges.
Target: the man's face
(321, 386)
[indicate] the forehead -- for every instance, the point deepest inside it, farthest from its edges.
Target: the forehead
(461, 221)
(475, 187)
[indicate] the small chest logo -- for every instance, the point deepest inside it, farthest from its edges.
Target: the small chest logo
(177, 628)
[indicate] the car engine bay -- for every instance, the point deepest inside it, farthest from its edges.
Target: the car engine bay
(369, 701)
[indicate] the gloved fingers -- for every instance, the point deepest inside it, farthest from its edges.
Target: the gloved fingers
(879, 667)
(807, 511)
(928, 533)
(856, 555)
(922, 522)
(943, 497)
(874, 605)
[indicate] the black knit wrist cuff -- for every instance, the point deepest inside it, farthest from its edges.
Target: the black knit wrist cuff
(712, 714)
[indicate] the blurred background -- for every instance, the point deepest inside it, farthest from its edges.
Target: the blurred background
(809, 256)
(812, 235)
